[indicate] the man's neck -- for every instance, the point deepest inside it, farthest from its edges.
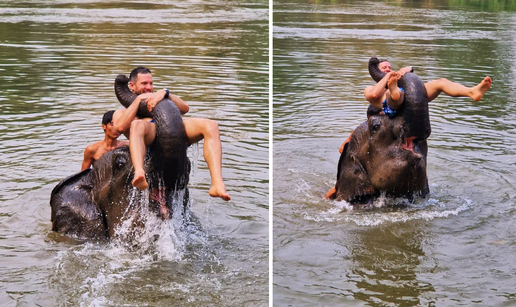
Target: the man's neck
(110, 142)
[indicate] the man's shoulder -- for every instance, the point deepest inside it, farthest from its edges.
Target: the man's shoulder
(93, 147)
(118, 112)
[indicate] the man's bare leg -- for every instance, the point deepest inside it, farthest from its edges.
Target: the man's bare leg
(453, 89)
(142, 133)
(196, 130)
(394, 95)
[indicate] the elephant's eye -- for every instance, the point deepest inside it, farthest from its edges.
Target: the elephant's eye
(120, 161)
(375, 124)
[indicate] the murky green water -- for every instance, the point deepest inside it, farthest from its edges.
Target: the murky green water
(58, 61)
(454, 248)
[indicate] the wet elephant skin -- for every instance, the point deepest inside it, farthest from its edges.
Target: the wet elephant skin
(375, 160)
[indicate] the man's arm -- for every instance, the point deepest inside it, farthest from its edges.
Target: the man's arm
(88, 160)
(181, 105)
(374, 93)
(122, 118)
(159, 95)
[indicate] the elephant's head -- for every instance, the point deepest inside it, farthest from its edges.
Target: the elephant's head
(394, 164)
(111, 182)
(119, 202)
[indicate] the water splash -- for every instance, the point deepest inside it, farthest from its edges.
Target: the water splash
(145, 230)
(400, 211)
(194, 158)
(101, 269)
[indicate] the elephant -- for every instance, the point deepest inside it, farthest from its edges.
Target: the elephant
(387, 156)
(93, 204)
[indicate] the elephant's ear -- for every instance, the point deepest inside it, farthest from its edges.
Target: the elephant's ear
(352, 179)
(69, 181)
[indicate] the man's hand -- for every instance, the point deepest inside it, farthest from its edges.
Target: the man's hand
(141, 98)
(404, 70)
(154, 99)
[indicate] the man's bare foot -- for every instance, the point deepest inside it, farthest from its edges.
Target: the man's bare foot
(481, 88)
(139, 180)
(331, 194)
(392, 84)
(219, 191)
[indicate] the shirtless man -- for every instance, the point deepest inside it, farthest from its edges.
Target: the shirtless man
(142, 132)
(388, 97)
(94, 151)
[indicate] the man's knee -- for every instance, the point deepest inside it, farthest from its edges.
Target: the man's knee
(201, 128)
(206, 127)
(439, 83)
(211, 127)
(137, 127)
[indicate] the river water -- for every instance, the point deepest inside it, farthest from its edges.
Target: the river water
(58, 61)
(453, 248)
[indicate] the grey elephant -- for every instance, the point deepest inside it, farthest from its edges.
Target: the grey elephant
(388, 155)
(92, 204)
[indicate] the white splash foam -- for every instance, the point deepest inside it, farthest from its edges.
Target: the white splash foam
(164, 239)
(194, 159)
(343, 211)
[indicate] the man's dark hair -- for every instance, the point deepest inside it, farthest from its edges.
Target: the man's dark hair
(108, 117)
(383, 60)
(372, 111)
(138, 70)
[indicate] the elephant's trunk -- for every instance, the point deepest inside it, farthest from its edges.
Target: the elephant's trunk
(415, 107)
(374, 70)
(171, 143)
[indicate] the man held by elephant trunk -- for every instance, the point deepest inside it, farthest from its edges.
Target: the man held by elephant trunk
(142, 132)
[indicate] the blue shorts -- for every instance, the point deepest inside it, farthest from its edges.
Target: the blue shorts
(387, 110)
